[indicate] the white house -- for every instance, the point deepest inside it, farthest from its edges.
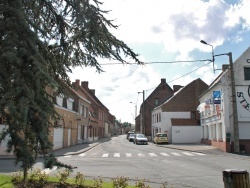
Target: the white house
(217, 112)
(178, 116)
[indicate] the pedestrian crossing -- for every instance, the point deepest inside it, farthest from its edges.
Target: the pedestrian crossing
(139, 155)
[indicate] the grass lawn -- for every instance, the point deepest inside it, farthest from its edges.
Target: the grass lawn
(6, 182)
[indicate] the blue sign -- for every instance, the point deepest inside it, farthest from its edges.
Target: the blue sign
(216, 97)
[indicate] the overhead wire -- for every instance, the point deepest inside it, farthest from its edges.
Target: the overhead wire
(174, 79)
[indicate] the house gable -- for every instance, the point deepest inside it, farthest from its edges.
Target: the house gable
(186, 99)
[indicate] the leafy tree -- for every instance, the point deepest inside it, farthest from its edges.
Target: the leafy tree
(126, 124)
(40, 41)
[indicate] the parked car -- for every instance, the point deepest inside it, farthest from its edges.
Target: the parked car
(140, 139)
(160, 138)
(131, 137)
(130, 132)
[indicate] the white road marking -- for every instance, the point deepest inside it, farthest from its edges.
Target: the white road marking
(187, 153)
(152, 154)
(199, 153)
(68, 156)
(105, 155)
(117, 155)
(164, 154)
(128, 155)
(82, 154)
(93, 154)
(141, 155)
(176, 154)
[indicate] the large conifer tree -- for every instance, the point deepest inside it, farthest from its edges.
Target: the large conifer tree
(40, 41)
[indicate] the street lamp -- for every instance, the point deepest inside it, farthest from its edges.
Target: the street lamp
(143, 127)
(135, 109)
(203, 42)
(235, 116)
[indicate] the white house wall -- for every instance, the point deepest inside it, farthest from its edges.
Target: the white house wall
(165, 125)
(215, 119)
(186, 134)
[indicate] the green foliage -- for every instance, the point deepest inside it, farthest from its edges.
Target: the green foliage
(126, 124)
(120, 182)
(17, 177)
(63, 176)
(80, 178)
(38, 178)
(40, 42)
(98, 183)
(141, 184)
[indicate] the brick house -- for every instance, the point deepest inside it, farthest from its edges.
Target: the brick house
(216, 108)
(99, 113)
(178, 117)
(158, 96)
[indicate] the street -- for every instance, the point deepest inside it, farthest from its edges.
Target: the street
(156, 164)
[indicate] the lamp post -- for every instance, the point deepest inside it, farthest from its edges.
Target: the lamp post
(203, 42)
(235, 116)
(135, 109)
(143, 113)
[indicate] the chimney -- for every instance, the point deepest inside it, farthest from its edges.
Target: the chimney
(163, 81)
(177, 87)
(225, 67)
(77, 82)
(85, 84)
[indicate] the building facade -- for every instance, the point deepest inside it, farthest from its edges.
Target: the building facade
(158, 96)
(218, 111)
(178, 117)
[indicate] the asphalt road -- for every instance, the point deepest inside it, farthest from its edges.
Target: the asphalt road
(118, 157)
(156, 165)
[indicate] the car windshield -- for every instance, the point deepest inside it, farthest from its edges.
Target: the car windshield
(131, 135)
(162, 135)
(140, 136)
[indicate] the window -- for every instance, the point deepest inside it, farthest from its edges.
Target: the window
(247, 73)
(156, 102)
(193, 115)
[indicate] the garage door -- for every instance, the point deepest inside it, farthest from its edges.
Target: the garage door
(58, 138)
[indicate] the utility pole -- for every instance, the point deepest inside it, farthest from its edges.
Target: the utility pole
(234, 105)
(142, 126)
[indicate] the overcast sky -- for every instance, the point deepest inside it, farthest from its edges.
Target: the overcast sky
(167, 31)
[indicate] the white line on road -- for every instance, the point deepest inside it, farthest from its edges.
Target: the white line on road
(164, 154)
(199, 153)
(128, 155)
(152, 154)
(105, 155)
(187, 153)
(68, 156)
(176, 154)
(141, 155)
(117, 155)
(82, 154)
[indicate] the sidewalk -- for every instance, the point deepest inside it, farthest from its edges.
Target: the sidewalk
(203, 148)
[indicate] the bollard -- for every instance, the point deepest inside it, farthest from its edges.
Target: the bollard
(235, 178)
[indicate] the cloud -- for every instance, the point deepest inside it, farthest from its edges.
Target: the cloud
(173, 28)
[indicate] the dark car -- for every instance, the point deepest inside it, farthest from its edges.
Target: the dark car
(140, 139)
(130, 132)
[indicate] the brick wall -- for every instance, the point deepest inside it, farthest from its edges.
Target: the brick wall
(162, 93)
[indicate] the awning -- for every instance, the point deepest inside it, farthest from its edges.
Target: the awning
(201, 107)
